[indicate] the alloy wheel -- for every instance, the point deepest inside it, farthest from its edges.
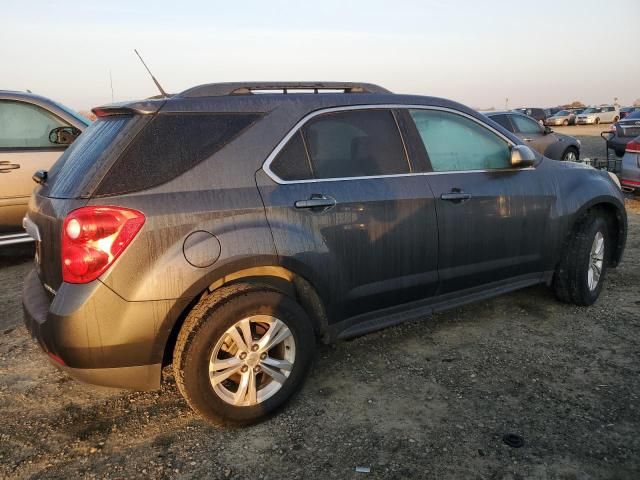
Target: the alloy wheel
(596, 259)
(252, 360)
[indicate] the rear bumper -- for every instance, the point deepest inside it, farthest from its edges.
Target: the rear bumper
(96, 336)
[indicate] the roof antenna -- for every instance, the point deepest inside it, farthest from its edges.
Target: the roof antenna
(162, 92)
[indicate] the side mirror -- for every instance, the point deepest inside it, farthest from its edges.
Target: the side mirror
(63, 135)
(548, 130)
(522, 156)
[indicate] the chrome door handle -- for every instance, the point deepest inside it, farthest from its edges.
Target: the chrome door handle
(6, 167)
(455, 196)
(526, 139)
(318, 202)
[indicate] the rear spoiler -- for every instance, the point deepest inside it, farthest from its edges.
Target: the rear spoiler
(144, 107)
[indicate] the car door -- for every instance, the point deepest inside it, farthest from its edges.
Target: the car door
(492, 218)
(349, 215)
(24, 148)
(532, 133)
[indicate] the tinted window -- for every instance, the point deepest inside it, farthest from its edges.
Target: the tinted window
(525, 125)
(502, 120)
(355, 143)
(454, 142)
(82, 157)
(633, 115)
(170, 145)
(23, 125)
(292, 162)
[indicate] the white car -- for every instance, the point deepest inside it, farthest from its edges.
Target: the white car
(596, 115)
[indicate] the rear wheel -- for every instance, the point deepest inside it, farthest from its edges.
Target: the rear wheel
(580, 274)
(565, 122)
(570, 155)
(597, 121)
(615, 119)
(242, 353)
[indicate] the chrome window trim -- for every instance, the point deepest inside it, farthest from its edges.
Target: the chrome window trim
(266, 166)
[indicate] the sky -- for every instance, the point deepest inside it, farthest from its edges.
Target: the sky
(480, 53)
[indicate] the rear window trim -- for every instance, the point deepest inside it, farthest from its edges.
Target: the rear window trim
(266, 166)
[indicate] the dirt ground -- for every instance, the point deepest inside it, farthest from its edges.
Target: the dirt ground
(427, 399)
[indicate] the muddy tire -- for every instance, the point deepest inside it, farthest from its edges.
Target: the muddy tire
(243, 351)
(579, 276)
(565, 123)
(571, 154)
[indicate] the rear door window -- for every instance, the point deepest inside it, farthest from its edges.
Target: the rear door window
(456, 143)
(503, 120)
(355, 143)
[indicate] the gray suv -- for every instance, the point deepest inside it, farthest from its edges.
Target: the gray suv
(227, 228)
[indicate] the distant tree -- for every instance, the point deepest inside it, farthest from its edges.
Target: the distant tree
(636, 102)
(575, 104)
(87, 114)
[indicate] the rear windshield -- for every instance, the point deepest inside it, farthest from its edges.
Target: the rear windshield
(80, 161)
(633, 115)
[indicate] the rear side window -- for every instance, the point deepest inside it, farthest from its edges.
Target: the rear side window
(170, 145)
(358, 143)
(456, 143)
(80, 161)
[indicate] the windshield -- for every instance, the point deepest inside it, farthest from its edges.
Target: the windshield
(634, 115)
(590, 110)
(562, 113)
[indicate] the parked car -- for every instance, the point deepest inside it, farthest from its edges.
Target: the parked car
(596, 115)
(622, 132)
(34, 132)
(542, 139)
(538, 113)
(225, 232)
(563, 117)
(625, 111)
(630, 172)
(549, 112)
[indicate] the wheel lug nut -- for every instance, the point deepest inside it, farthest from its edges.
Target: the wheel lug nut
(254, 347)
(244, 368)
(243, 355)
(263, 356)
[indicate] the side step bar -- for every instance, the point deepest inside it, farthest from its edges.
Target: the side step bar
(14, 239)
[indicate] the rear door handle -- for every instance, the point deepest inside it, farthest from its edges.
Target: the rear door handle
(317, 202)
(6, 167)
(455, 196)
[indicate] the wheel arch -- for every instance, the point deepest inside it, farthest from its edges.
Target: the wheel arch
(616, 217)
(273, 276)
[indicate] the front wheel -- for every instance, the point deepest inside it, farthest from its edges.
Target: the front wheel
(570, 155)
(565, 123)
(242, 353)
(580, 274)
(597, 121)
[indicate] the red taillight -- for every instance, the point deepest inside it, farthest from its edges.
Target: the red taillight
(93, 237)
(633, 147)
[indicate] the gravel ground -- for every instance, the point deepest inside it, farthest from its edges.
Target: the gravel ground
(427, 399)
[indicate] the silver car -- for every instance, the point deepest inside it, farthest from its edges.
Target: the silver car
(630, 172)
(34, 132)
(596, 115)
(563, 117)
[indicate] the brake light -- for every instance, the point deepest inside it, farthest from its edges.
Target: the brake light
(633, 147)
(93, 237)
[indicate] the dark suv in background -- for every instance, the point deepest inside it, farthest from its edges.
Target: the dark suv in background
(227, 228)
(541, 138)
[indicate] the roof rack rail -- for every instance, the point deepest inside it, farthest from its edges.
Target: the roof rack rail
(249, 88)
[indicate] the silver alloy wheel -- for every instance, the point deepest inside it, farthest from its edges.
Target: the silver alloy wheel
(596, 259)
(570, 156)
(252, 360)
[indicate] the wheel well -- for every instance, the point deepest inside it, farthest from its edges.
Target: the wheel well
(574, 148)
(277, 278)
(616, 224)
